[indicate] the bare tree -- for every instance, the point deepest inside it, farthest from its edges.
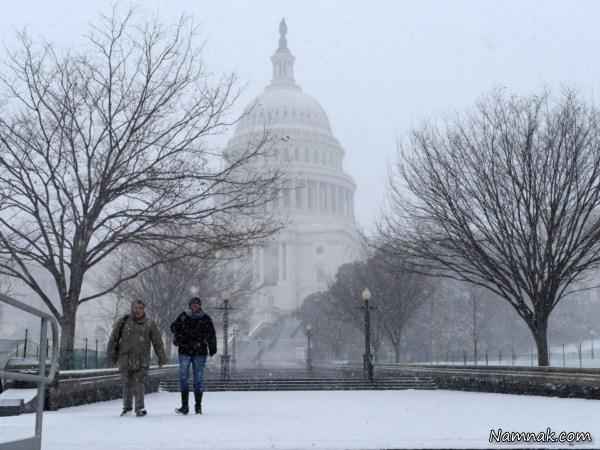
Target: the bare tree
(345, 294)
(331, 334)
(105, 146)
(505, 198)
(167, 287)
(399, 293)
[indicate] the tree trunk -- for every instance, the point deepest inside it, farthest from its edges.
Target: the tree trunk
(168, 339)
(540, 334)
(67, 338)
(397, 352)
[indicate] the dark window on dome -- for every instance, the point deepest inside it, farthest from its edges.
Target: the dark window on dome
(284, 261)
(311, 195)
(271, 264)
(323, 196)
(287, 198)
(299, 195)
(320, 250)
(334, 199)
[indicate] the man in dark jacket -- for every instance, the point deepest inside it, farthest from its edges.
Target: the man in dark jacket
(195, 337)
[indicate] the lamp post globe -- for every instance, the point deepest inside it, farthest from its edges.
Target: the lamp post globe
(366, 294)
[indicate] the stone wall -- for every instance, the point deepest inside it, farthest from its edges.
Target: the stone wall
(72, 391)
(553, 382)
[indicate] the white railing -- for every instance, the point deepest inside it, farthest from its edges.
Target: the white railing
(35, 442)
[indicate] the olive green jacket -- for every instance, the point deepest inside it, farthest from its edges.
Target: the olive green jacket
(133, 351)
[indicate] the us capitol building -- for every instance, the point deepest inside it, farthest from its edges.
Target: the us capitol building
(321, 232)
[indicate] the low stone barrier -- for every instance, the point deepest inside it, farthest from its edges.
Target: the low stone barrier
(553, 382)
(73, 389)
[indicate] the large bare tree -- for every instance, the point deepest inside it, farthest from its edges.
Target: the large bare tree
(505, 197)
(167, 287)
(106, 145)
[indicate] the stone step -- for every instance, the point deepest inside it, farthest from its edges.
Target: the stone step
(307, 380)
(332, 387)
(277, 383)
(11, 407)
(172, 384)
(308, 388)
(328, 381)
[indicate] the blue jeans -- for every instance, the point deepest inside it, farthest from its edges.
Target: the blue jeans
(197, 363)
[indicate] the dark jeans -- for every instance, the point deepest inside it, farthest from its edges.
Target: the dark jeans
(197, 363)
(133, 386)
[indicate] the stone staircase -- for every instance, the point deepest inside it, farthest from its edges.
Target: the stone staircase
(277, 344)
(305, 383)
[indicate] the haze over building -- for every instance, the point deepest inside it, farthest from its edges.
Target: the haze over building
(319, 206)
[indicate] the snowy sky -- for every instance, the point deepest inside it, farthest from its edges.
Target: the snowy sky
(378, 68)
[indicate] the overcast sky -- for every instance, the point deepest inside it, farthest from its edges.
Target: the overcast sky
(379, 67)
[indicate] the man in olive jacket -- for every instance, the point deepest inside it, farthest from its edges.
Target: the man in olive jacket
(129, 349)
(195, 337)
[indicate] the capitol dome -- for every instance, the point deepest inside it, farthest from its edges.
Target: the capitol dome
(282, 105)
(318, 203)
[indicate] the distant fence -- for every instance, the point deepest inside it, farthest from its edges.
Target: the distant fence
(569, 355)
(88, 353)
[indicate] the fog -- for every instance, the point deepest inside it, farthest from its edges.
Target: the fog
(378, 69)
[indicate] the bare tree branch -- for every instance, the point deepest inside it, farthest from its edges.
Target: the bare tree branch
(105, 147)
(505, 198)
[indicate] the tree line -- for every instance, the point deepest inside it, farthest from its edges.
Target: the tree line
(106, 157)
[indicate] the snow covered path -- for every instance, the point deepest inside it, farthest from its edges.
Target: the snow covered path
(312, 420)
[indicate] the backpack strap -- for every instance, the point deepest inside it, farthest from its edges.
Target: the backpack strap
(120, 332)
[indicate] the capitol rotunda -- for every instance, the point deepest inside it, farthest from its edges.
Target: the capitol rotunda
(321, 232)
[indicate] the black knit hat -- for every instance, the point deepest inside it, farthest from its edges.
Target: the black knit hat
(195, 300)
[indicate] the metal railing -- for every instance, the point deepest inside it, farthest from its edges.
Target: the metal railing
(35, 442)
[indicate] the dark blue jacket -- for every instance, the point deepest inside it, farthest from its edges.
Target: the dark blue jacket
(194, 336)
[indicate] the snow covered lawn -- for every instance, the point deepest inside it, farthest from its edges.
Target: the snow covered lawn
(312, 420)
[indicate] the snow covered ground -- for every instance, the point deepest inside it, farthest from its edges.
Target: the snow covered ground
(312, 420)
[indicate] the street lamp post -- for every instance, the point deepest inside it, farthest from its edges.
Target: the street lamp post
(308, 348)
(225, 372)
(367, 362)
(234, 331)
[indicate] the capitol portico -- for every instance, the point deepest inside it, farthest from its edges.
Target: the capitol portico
(321, 233)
